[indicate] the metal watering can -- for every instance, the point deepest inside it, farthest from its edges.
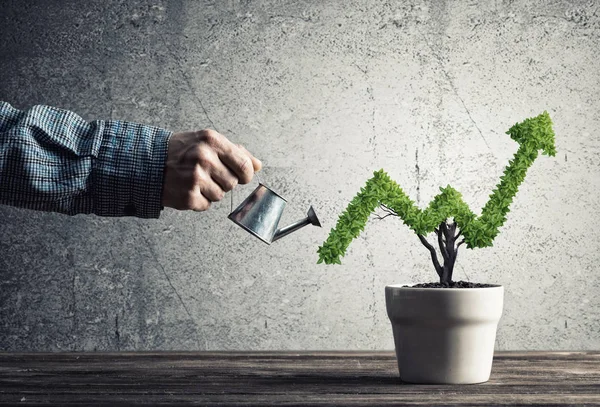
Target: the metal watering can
(261, 211)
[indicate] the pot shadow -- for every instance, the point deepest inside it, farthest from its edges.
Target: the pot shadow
(359, 383)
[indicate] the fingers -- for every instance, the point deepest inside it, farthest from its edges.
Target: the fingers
(182, 199)
(198, 203)
(239, 163)
(256, 163)
(202, 196)
(204, 181)
(239, 160)
(224, 178)
(213, 177)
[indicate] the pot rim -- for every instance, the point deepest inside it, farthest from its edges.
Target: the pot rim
(402, 286)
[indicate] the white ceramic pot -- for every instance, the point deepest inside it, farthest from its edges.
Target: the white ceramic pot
(444, 335)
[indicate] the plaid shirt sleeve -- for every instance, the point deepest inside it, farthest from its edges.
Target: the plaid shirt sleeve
(53, 160)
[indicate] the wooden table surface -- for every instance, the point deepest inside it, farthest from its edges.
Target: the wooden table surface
(286, 378)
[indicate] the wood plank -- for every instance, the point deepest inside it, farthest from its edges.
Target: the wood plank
(286, 378)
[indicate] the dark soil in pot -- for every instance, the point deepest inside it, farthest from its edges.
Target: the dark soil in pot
(452, 284)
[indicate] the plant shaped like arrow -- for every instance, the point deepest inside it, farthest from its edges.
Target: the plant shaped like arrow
(533, 135)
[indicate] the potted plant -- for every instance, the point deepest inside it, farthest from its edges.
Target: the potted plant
(444, 332)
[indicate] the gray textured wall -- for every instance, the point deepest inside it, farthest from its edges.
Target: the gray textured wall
(324, 92)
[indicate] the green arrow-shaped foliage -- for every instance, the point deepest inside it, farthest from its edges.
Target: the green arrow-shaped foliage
(533, 135)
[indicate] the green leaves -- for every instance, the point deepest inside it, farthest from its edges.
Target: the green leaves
(533, 134)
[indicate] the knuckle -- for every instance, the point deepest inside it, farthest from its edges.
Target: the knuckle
(230, 184)
(216, 194)
(197, 175)
(196, 202)
(204, 158)
(210, 136)
(203, 205)
(196, 152)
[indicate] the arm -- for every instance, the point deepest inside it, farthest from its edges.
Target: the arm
(53, 160)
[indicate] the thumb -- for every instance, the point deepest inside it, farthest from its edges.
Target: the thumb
(256, 163)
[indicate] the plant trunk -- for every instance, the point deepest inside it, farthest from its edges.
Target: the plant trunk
(447, 236)
(446, 240)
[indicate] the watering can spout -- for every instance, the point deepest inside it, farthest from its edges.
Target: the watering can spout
(311, 219)
(260, 212)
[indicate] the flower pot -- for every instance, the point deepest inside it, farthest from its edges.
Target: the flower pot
(444, 335)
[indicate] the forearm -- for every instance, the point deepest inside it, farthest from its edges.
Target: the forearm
(53, 160)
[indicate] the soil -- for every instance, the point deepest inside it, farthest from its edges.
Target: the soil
(453, 284)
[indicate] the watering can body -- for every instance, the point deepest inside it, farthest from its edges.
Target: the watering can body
(260, 212)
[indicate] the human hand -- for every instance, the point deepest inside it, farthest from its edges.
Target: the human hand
(201, 166)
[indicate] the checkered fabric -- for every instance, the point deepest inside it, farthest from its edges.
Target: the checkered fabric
(53, 160)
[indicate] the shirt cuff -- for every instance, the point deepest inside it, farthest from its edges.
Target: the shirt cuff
(128, 174)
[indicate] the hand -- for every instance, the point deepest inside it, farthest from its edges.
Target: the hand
(201, 166)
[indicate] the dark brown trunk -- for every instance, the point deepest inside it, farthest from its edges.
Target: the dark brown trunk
(446, 236)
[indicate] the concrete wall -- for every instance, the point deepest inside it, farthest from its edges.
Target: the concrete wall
(324, 92)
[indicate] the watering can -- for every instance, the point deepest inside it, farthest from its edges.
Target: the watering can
(260, 212)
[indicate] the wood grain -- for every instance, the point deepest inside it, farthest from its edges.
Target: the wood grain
(286, 378)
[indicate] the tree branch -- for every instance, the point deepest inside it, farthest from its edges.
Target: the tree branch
(434, 258)
(389, 212)
(453, 231)
(451, 250)
(383, 217)
(388, 209)
(444, 228)
(443, 249)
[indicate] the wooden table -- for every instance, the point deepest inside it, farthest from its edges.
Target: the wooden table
(286, 378)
